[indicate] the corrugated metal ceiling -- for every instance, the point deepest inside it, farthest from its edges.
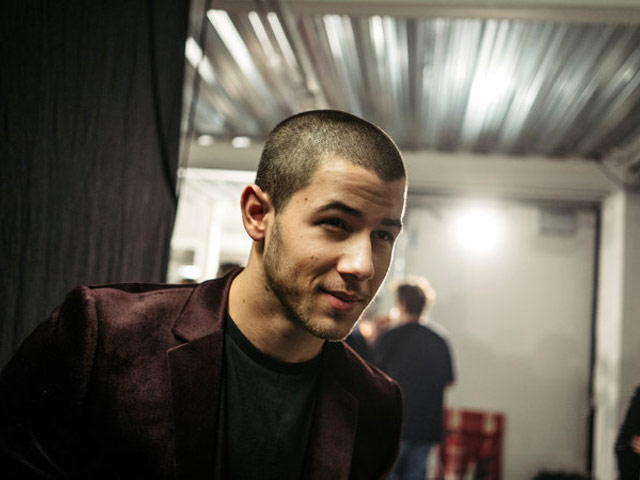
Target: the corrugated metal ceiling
(449, 84)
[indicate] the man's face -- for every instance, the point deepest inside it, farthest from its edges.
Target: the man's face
(328, 250)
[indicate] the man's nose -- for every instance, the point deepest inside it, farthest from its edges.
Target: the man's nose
(357, 259)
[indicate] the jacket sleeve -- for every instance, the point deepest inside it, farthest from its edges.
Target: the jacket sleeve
(42, 393)
(628, 460)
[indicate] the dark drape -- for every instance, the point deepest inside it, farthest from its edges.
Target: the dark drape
(91, 95)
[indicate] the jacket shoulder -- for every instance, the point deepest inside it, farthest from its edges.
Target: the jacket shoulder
(140, 301)
(135, 292)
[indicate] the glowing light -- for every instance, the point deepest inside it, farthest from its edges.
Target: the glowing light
(478, 229)
(189, 272)
(377, 35)
(232, 40)
(241, 142)
(281, 38)
(272, 57)
(194, 54)
(205, 140)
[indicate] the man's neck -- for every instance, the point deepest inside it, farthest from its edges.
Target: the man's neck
(405, 319)
(260, 318)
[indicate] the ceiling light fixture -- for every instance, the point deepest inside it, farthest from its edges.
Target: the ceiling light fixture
(205, 140)
(241, 142)
(194, 55)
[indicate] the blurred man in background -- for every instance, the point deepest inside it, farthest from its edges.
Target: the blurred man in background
(415, 353)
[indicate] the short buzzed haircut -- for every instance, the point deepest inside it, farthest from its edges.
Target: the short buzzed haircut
(415, 295)
(296, 146)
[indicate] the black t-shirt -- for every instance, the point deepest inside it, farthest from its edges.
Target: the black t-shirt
(419, 359)
(268, 409)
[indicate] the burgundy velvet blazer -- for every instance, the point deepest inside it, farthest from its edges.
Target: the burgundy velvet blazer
(123, 381)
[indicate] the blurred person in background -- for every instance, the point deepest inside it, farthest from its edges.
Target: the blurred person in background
(357, 339)
(415, 352)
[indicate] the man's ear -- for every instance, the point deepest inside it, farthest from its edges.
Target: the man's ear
(256, 209)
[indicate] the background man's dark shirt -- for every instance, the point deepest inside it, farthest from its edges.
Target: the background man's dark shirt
(419, 359)
(359, 344)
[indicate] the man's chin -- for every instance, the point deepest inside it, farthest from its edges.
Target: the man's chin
(335, 337)
(331, 333)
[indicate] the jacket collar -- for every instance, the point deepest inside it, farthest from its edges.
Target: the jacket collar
(195, 372)
(203, 313)
(332, 438)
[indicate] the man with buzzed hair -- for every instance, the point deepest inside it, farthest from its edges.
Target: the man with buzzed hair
(244, 376)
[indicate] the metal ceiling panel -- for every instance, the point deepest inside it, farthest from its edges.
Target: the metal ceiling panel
(497, 86)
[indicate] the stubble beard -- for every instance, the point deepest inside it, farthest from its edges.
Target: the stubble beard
(297, 308)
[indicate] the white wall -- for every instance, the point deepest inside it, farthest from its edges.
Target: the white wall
(519, 319)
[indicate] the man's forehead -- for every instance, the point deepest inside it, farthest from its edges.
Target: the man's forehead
(344, 166)
(336, 180)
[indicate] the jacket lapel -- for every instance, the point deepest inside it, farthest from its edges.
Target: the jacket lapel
(334, 427)
(195, 370)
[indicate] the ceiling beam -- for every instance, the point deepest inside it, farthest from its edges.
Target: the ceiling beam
(583, 11)
(579, 11)
(542, 178)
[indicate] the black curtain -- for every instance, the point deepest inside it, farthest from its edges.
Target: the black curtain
(91, 95)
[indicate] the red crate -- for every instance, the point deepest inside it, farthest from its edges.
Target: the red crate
(472, 446)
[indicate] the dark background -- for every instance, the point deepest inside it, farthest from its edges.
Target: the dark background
(90, 107)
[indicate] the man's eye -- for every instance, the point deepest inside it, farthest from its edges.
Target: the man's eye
(335, 222)
(384, 236)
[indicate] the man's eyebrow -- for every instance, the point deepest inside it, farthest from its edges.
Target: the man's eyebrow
(354, 212)
(337, 205)
(392, 222)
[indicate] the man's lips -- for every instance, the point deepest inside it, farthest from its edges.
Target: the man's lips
(343, 300)
(346, 296)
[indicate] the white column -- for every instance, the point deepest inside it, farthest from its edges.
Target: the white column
(618, 324)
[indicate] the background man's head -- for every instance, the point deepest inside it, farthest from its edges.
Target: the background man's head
(414, 296)
(297, 145)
